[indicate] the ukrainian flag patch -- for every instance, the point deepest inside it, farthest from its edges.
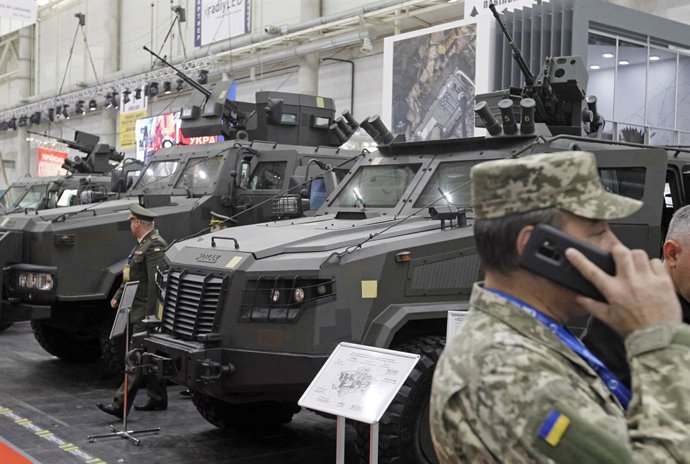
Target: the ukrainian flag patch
(554, 427)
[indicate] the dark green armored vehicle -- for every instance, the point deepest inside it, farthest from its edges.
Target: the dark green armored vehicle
(61, 267)
(250, 314)
(88, 179)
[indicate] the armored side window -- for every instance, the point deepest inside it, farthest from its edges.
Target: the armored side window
(268, 176)
(628, 182)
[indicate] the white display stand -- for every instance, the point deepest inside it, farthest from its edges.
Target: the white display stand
(456, 319)
(358, 382)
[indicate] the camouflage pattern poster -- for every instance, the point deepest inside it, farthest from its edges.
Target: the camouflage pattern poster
(358, 382)
(437, 74)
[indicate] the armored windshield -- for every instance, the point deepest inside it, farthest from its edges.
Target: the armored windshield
(157, 175)
(450, 185)
(11, 196)
(33, 198)
(201, 174)
(376, 186)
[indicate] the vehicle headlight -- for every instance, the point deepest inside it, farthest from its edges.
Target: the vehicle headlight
(298, 295)
(275, 296)
(36, 280)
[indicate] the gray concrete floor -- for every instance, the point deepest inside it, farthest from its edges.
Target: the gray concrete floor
(47, 409)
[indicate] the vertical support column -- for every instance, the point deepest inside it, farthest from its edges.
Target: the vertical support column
(308, 74)
(111, 64)
(21, 87)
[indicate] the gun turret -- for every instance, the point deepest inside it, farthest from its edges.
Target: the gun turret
(98, 155)
(558, 92)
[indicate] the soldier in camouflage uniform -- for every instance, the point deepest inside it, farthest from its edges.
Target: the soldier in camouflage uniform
(515, 386)
(141, 267)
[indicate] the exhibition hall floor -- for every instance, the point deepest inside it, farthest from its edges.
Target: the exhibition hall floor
(48, 408)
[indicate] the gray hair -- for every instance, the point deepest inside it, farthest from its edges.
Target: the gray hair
(679, 227)
(495, 238)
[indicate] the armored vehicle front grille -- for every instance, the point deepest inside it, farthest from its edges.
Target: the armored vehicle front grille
(191, 301)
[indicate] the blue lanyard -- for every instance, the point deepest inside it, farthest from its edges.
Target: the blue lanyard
(571, 341)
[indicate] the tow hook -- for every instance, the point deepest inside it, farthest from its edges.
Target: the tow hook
(211, 370)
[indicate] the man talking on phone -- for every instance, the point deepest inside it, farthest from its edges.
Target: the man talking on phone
(515, 386)
(603, 341)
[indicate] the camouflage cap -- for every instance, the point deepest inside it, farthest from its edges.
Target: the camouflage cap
(566, 180)
(139, 212)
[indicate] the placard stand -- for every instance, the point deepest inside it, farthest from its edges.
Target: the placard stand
(358, 382)
(120, 325)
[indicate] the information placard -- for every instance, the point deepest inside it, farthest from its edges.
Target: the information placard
(122, 315)
(456, 319)
(359, 382)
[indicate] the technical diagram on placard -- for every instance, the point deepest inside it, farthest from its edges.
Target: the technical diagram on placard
(358, 382)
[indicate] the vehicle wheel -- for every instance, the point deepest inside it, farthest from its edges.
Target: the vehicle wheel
(244, 417)
(4, 327)
(113, 351)
(404, 431)
(65, 345)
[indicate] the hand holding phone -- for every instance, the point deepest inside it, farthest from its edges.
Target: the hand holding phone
(544, 255)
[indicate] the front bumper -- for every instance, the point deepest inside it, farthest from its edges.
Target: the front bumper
(16, 312)
(230, 374)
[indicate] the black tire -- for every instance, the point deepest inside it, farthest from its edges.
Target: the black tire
(404, 433)
(71, 347)
(4, 327)
(113, 351)
(245, 417)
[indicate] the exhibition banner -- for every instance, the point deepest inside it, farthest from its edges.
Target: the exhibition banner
(216, 20)
(163, 131)
(49, 162)
(438, 71)
(128, 123)
(20, 10)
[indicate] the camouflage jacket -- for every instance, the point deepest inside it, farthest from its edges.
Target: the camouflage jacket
(141, 266)
(506, 389)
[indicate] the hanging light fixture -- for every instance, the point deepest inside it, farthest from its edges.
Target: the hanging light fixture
(92, 105)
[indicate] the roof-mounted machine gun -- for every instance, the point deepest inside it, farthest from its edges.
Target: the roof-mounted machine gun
(280, 117)
(98, 155)
(555, 97)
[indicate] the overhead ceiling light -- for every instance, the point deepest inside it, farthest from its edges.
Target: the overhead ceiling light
(654, 58)
(92, 105)
(137, 93)
(607, 55)
(203, 77)
(22, 121)
(624, 62)
(65, 114)
(180, 85)
(595, 66)
(51, 114)
(79, 107)
(35, 118)
(12, 124)
(167, 87)
(125, 96)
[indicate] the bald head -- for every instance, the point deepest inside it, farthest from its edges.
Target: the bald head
(676, 251)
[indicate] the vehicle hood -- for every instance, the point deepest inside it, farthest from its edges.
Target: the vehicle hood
(316, 234)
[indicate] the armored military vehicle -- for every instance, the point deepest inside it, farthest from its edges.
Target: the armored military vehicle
(87, 180)
(61, 267)
(250, 314)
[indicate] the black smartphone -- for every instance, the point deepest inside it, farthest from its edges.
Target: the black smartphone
(545, 255)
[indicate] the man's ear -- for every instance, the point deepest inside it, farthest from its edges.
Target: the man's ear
(522, 238)
(671, 250)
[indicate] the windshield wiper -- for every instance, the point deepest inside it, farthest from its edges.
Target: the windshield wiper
(69, 214)
(358, 198)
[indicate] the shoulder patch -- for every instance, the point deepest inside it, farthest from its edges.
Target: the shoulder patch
(554, 427)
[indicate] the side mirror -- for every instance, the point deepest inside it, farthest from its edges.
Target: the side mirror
(241, 174)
